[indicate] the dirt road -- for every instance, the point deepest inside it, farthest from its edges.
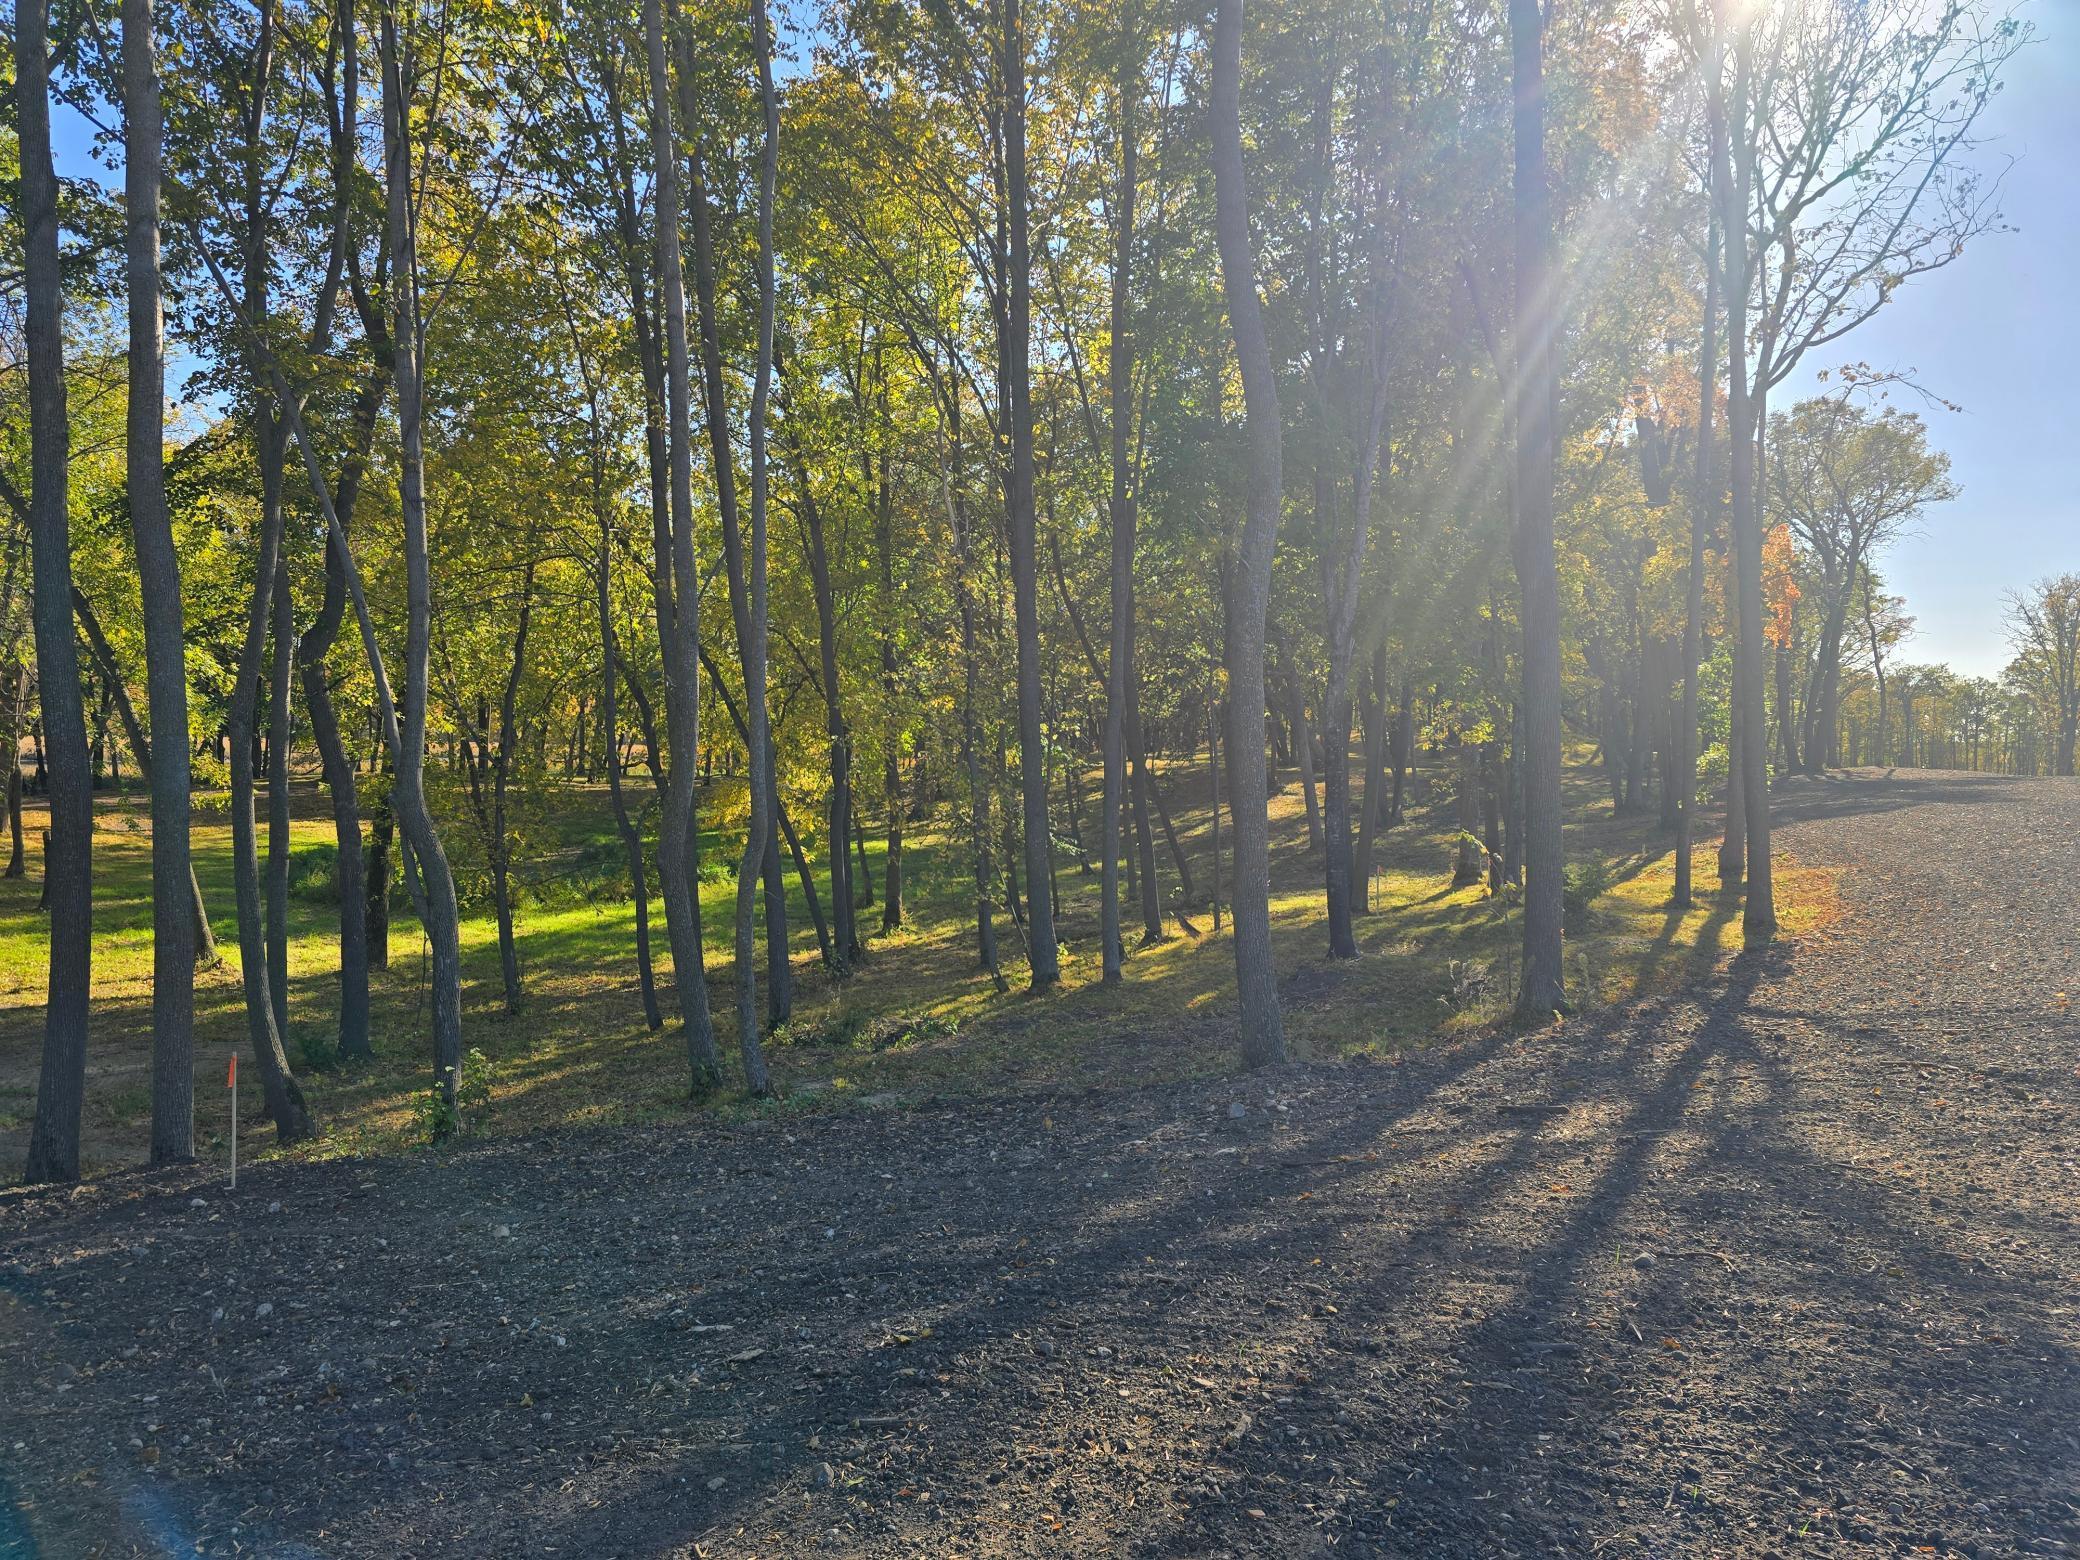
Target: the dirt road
(1789, 1262)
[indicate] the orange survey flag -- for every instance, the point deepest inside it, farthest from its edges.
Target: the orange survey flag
(231, 1077)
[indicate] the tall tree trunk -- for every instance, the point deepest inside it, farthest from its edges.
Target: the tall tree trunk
(276, 883)
(746, 582)
(1303, 743)
(285, 1102)
(1466, 861)
(338, 768)
(677, 591)
(845, 944)
(1733, 844)
(1142, 878)
(1262, 1031)
(1119, 671)
(17, 865)
(1537, 343)
(1373, 724)
(1404, 745)
(751, 611)
(610, 715)
(863, 878)
(1704, 505)
(1759, 917)
(441, 917)
(375, 920)
(501, 778)
(779, 967)
(174, 936)
(68, 847)
(1019, 505)
(891, 766)
(1213, 771)
(1343, 626)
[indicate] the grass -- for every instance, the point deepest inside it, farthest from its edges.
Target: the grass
(918, 1020)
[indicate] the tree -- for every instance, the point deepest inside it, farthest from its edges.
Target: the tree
(1247, 588)
(2044, 628)
(1543, 991)
(1847, 481)
(1017, 390)
(173, 923)
(1839, 174)
(68, 857)
(436, 896)
(678, 594)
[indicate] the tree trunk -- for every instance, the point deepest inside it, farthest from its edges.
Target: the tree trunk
(376, 908)
(174, 900)
(501, 777)
(408, 795)
(1537, 335)
(845, 937)
(1142, 879)
(1019, 505)
(609, 694)
(1213, 771)
(68, 847)
(1759, 918)
(276, 882)
(677, 594)
(863, 878)
(1303, 744)
(1373, 724)
(1466, 862)
(1262, 1031)
(750, 606)
(1119, 670)
(1704, 505)
(285, 1102)
(891, 767)
(779, 967)
(338, 770)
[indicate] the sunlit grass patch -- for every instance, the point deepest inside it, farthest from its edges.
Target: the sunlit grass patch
(919, 1018)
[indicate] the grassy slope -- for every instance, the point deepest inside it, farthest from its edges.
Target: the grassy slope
(919, 1019)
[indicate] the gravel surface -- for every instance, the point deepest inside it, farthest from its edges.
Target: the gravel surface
(1784, 1263)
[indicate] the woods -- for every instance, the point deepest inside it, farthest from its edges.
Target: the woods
(980, 432)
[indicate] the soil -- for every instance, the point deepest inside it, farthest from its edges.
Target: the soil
(1785, 1262)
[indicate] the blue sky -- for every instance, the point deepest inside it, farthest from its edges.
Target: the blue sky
(1997, 333)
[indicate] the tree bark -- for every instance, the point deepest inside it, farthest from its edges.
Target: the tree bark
(1019, 505)
(1262, 1030)
(1543, 991)
(845, 938)
(677, 592)
(610, 716)
(1704, 505)
(284, 1097)
(408, 794)
(68, 847)
(276, 882)
(751, 609)
(338, 766)
(174, 900)
(1758, 919)
(1119, 670)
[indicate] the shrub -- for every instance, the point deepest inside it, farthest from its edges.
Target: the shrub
(1586, 882)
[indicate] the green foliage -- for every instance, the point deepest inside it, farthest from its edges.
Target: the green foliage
(439, 1118)
(1587, 881)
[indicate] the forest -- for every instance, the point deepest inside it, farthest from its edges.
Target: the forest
(1036, 778)
(1027, 449)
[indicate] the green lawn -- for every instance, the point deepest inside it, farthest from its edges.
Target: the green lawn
(918, 1020)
